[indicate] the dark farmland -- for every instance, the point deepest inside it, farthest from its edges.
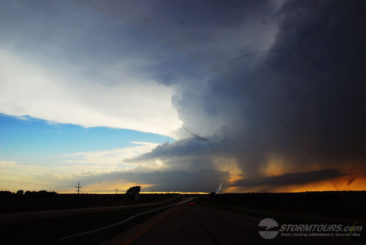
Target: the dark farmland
(50, 228)
(43, 200)
(307, 207)
(350, 205)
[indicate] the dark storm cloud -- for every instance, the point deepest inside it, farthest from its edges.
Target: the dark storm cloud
(291, 178)
(260, 80)
(207, 32)
(255, 82)
(182, 148)
(313, 83)
(301, 99)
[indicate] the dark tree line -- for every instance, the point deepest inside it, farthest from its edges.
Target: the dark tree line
(28, 194)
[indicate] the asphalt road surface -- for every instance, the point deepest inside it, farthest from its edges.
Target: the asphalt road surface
(197, 224)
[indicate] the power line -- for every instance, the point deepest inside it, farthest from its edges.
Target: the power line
(78, 187)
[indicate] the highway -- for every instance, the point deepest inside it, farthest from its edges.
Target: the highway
(175, 223)
(197, 224)
(188, 224)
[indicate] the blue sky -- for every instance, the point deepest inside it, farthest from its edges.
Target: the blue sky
(33, 149)
(29, 140)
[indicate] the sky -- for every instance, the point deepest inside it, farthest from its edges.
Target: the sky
(259, 96)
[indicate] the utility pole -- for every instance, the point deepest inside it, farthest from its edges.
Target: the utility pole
(116, 191)
(78, 187)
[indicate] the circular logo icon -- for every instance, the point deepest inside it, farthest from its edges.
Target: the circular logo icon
(267, 228)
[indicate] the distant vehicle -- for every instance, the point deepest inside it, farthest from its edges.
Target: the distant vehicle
(191, 203)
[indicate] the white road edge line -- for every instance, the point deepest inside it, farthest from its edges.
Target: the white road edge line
(123, 221)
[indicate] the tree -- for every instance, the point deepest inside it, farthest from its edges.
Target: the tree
(20, 193)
